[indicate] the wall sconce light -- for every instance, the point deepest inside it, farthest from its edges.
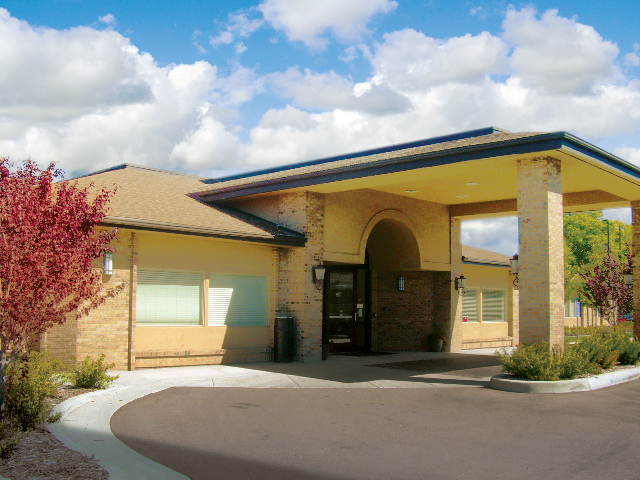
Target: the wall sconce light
(461, 282)
(401, 284)
(514, 269)
(628, 278)
(318, 273)
(108, 263)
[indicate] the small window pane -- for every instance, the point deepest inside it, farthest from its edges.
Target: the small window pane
(168, 298)
(238, 300)
(470, 305)
(493, 306)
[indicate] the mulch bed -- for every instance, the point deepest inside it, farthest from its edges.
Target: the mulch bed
(40, 455)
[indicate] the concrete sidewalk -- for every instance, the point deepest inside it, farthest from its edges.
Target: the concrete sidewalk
(85, 419)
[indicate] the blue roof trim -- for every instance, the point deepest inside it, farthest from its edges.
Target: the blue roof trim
(518, 146)
(364, 153)
(590, 150)
(524, 145)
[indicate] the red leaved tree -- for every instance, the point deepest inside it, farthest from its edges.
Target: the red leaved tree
(48, 242)
(604, 286)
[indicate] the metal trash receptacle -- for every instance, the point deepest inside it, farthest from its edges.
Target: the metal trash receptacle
(284, 341)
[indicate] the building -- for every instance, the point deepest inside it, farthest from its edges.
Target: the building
(364, 247)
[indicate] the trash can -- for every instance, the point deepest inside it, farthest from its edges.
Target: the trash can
(285, 339)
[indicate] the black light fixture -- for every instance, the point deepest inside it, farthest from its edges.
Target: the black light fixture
(460, 283)
(514, 269)
(401, 284)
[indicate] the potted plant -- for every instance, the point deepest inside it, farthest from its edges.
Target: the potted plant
(435, 339)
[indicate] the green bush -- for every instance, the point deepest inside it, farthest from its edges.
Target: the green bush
(9, 436)
(605, 346)
(93, 374)
(29, 381)
(538, 362)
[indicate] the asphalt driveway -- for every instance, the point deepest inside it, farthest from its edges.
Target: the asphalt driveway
(445, 432)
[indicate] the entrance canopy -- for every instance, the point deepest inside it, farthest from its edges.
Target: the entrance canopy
(480, 173)
(474, 173)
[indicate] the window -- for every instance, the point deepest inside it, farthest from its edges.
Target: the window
(236, 300)
(168, 297)
(486, 305)
(470, 305)
(493, 306)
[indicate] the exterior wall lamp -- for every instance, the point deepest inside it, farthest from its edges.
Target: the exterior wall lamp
(628, 278)
(401, 284)
(318, 273)
(460, 283)
(514, 269)
(108, 263)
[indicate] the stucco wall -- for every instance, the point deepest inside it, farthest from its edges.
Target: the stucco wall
(350, 216)
(203, 344)
(489, 334)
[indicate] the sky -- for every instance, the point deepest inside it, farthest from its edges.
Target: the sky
(216, 88)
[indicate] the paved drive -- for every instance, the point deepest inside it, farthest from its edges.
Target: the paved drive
(386, 433)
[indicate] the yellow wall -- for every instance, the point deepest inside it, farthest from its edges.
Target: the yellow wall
(197, 254)
(494, 278)
(350, 216)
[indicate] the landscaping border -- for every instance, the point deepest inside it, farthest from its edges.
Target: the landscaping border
(509, 383)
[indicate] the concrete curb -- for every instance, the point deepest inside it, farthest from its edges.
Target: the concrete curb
(507, 383)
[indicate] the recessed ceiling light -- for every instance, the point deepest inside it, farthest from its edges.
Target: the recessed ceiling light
(472, 184)
(411, 191)
(462, 196)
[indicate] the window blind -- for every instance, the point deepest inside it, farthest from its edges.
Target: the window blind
(470, 304)
(493, 306)
(237, 300)
(168, 297)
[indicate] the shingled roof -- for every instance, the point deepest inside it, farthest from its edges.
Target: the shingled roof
(481, 256)
(160, 200)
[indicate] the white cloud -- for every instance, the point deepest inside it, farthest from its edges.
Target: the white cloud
(629, 154)
(350, 53)
(109, 19)
(240, 48)
(331, 91)
(632, 59)
(495, 234)
(620, 214)
(308, 20)
(558, 55)
(238, 26)
(410, 61)
(88, 99)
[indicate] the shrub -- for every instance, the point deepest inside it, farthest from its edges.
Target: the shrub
(604, 347)
(30, 380)
(9, 436)
(538, 362)
(93, 374)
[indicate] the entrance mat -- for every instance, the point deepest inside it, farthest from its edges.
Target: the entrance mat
(362, 354)
(461, 365)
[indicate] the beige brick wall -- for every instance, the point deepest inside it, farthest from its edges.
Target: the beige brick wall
(455, 316)
(541, 261)
(106, 329)
(298, 295)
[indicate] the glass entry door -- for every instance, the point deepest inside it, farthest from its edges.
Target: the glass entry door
(345, 323)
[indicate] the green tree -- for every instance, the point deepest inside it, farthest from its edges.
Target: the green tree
(587, 235)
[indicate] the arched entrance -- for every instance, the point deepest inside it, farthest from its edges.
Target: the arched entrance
(348, 314)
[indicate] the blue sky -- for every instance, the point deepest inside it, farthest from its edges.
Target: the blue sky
(221, 87)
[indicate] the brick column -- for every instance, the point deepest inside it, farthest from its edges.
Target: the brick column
(297, 293)
(541, 260)
(454, 344)
(635, 213)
